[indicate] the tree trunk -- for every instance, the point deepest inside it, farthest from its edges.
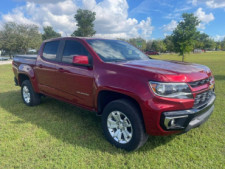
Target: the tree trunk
(10, 55)
(183, 58)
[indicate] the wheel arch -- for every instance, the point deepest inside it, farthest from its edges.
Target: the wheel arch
(26, 72)
(22, 77)
(107, 96)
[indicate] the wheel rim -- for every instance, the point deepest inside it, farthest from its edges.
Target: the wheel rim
(119, 127)
(26, 94)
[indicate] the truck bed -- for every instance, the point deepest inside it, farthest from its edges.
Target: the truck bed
(25, 59)
(26, 56)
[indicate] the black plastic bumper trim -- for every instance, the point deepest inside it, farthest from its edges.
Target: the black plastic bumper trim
(193, 117)
(16, 81)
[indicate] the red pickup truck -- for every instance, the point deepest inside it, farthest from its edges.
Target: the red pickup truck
(135, 95)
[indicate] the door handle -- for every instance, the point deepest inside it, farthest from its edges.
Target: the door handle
(61, 70)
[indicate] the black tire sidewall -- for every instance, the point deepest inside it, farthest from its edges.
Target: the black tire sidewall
(132, 114)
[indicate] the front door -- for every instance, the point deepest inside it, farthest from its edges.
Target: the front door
(75, 83)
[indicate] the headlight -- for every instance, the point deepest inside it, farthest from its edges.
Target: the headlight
(171, 90)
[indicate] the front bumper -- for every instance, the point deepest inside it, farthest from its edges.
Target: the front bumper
(185, 120)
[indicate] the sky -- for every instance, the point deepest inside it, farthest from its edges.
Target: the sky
(149, 19)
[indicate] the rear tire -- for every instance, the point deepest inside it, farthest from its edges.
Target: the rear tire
(29, 96)
(123, 126)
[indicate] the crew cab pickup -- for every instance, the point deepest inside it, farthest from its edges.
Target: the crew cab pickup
(135, 95)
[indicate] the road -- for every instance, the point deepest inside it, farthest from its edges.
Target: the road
(5, 62)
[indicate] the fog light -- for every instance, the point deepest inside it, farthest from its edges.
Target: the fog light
(170, 122)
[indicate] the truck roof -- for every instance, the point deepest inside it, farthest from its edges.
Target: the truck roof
(69, 37)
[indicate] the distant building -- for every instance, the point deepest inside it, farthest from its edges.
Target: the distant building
(198, 50)
(32, 50)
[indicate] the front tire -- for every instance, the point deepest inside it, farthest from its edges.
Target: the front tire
(29, 96)
(123, 126)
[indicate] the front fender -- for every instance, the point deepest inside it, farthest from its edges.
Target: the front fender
(26, 69)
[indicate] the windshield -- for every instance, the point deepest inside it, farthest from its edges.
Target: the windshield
(116, 50)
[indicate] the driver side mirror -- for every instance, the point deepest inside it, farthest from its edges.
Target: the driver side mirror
(81, 60)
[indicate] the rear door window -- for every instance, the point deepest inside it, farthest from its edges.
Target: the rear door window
(50, 50)
(73, 48)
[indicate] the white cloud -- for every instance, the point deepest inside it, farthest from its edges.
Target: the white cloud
(209, 3)
(44, 1)
(170, 26)
(194, 2)
(17, 16)
(182, 9)
(145, 28)
(201, 26)
(215, 3)
(173, 16)
(219, 37)
(112, 20)
(55, 15)
(203, 17)
(111, 17)
(165, 34)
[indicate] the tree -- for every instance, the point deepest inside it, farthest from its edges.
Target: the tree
(210, 44)
(49, 33)
(218, 45)
(201, 40)
(29, 37)
(18, 38)
(168, 41)
(122, 39)
(149, 45)
(158, 45)
(223, 44)
(8, 38)
(85, 19)
(184, 36)
(138, 43)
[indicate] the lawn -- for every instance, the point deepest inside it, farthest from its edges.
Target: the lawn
(58, 135)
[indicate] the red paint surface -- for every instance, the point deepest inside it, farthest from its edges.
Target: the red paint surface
(81, 85)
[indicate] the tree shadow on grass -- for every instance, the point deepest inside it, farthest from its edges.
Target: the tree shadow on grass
(67, 123)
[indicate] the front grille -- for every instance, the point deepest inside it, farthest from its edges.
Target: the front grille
(200, 82)
(202, 98)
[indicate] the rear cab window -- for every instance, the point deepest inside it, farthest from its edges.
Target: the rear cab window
(50, 50)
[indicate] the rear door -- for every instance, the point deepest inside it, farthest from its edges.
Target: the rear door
(75, 83)
(46, 70)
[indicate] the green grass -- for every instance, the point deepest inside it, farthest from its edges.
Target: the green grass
(58, 135)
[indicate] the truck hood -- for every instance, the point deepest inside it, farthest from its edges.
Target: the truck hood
(181, 71)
